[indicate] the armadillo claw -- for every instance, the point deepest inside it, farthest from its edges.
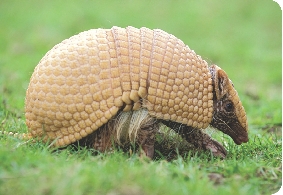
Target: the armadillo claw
(216, 148)
(148, 150)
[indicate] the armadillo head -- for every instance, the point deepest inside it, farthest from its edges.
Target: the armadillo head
(229, 115)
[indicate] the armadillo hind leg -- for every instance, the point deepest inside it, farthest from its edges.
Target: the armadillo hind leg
(100, 140)
(146, 137)
(132, 127)
(198, 138)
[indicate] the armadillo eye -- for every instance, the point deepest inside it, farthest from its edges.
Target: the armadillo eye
(229, 107)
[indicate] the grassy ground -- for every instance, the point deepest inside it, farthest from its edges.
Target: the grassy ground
(243, 37)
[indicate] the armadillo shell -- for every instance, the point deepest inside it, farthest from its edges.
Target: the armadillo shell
(83, 81)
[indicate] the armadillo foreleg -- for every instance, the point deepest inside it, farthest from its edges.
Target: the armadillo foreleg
(198, 138)
(202, 140)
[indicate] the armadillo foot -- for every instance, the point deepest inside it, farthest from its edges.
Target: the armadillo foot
(147, 150)
(215, 147)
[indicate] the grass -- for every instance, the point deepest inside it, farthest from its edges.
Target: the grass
(242, 37)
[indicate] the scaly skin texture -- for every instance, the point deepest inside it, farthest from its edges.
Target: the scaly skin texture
(86, 80)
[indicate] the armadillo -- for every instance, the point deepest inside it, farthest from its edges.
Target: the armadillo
(139, 77)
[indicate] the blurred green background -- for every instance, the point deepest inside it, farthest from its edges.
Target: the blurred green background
(242, 37)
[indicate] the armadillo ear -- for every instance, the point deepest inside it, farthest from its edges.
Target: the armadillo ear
(221, 83)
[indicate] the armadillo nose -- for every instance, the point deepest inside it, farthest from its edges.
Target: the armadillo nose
(245, 139)
(241, 139)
